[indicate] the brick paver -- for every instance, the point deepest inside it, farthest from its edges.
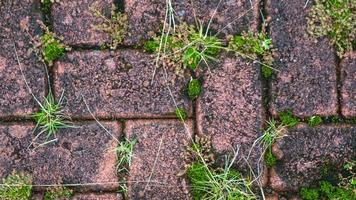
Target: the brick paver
(146, 17)
(171, 137)
(94, 196)
(84, 154)
(15, 98)
(305, 151)
(74, 20)
(230, 106)
(306, 81)
(348, 83)
(117, 84)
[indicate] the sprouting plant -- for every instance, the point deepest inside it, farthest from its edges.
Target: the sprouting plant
(16, 187)
(55, 193)
(194, 88)
(124, 153)
(115, 26)
(50, 118)
(335, 19)
(315, 121)
(181, 114)
(288, 119)
(251, 45)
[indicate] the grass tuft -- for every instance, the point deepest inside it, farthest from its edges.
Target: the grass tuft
(16, 187)
(124, 153)
(335, 19)
(50, 118)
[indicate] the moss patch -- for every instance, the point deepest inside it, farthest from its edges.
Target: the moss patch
(337, 20)
(16, 187)
(194, 88)
(288, 119)
(58, 193)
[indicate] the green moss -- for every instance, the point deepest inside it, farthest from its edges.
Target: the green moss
(315, 121)
(46, 6)
(309, 194)
(194, 88)
(52, 49)
(58, 193)
(335, 19)
(16, 187)
(151, 46)
(181, 114)
(288, 119)
(270, 159)
(267, 71)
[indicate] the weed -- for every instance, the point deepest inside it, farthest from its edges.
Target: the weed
(124, 153)
(46, 5)
(201, 149)
(16, 187)
(194, 88)
(181, 114)
(58, 193)
(315, 121)
(288, 119)
(115, 26)
(50, 118)
(337, 20)
(251, 45)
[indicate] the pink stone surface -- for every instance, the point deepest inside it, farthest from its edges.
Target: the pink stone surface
(230, 106)
(73, 20)
(159, 151)
(117, 84)
(307, 150)
(348, 85)
(146, 16)
(15, 98)
(306, 80)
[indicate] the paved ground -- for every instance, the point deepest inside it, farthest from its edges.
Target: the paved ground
(232, 109)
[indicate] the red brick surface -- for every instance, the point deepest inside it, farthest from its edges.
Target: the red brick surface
(117, 84)
(15, 98)
(348, 83)
(159, 151)
(306, 81)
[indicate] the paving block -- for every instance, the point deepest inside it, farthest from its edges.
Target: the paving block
(348, 85)
(306, 80)
(146, 17)
(158, 154)
(117, 84)
(305, 151)
(97, 196)
(230, 106)
(15, 98)
(74, 20)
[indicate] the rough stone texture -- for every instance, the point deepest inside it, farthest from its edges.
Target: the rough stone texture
(14, 140)
(306, 81)
(15, 98)
(117, 84)
(147, 16)
(174, 139)
(36, 196)
(348, 82)
(230, 106)
(94, 196)
(73, 20)
(304, 151)
(82, 155)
